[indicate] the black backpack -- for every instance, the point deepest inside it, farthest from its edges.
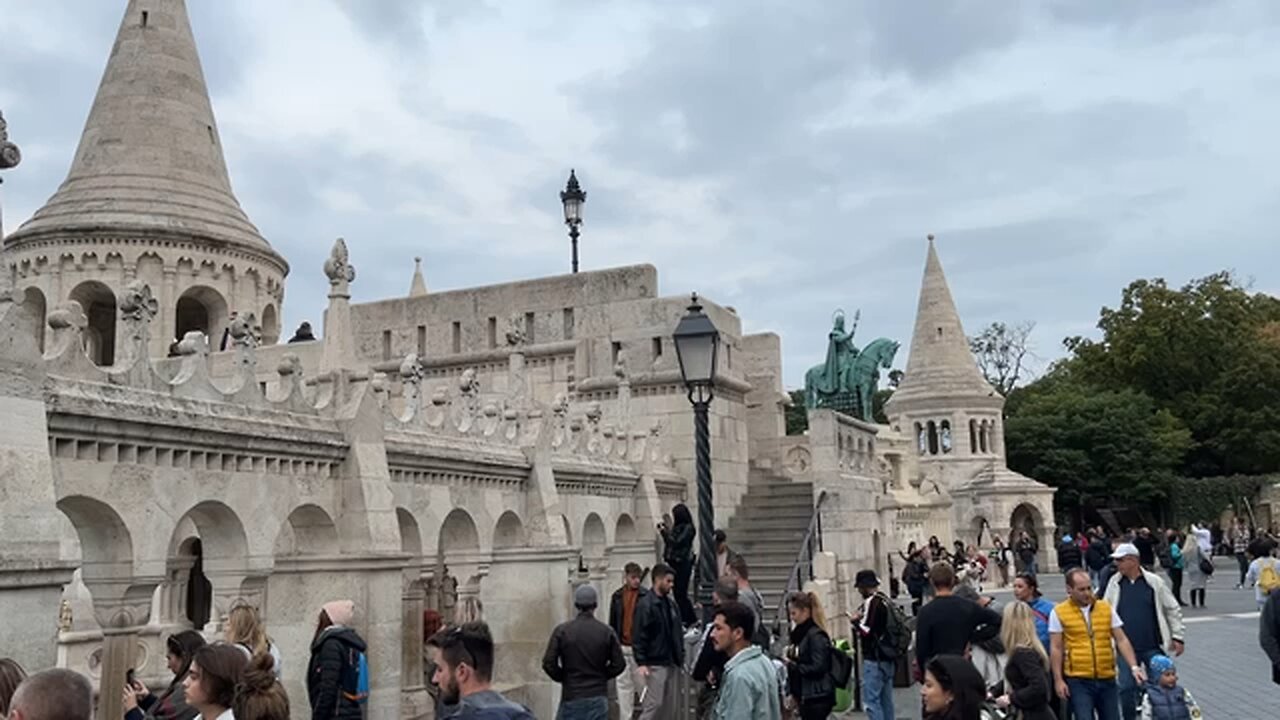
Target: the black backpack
(841, 667)
(896, 641)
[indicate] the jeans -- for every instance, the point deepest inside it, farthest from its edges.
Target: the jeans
(592, 708)
(626, 684)
(1243, 560)
(1128, 687)
(1090, 696)
(1032, 566)
(877, 689)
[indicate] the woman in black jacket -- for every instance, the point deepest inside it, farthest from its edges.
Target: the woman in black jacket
(332, 672)
(140, 704)
(1026, 674)
(952, 689)
(677, 551)
(809, 659)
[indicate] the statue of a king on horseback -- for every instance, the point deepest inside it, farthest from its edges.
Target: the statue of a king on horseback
(848, 377)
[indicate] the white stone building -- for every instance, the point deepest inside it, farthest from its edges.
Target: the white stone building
(512, 439)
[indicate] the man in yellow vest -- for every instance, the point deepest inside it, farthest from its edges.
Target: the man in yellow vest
(1081, 631)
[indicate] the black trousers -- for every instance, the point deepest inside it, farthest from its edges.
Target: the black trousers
(1175, 577)
(1243, 561)
(684, 572)
(815, 710)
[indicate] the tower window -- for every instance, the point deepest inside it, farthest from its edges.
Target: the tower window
(457, 336)
(973, 436)
(422, 340)
(528, 327)
(657, 348)
(933, 438)
(945, 433)
(493, 333)
(568, 323)
(386, 344)
(144, 18)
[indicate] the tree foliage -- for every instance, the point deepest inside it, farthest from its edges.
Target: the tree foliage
(797, 414)
(1002, 352)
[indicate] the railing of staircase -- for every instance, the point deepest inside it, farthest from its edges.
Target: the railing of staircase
(802, 568)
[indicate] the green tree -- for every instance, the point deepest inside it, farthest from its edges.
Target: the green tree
(1206, 353)
(1095, 446)
(797, 414)
(1001, 352)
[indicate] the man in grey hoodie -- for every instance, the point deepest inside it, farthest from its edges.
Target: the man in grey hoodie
(464, 674)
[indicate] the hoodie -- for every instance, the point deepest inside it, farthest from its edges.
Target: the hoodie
(336, 650)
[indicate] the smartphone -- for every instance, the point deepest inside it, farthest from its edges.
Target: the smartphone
(131, 678)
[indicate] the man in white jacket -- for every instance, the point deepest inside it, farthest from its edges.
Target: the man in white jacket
(1152, 618)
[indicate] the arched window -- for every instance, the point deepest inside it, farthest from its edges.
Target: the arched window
(945, 433)
(99, 305)
(34, 299)
(973, 436)
(920, 439)
(201, 309)
(270, 325)
(982, 436)
(933, 438)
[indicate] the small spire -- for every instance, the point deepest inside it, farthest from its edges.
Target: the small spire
(418, 287)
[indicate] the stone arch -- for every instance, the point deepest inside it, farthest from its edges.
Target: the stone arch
(308, 531)
(200, 308)
(983, 442)
(625, 530)
(933, 437)
(944, 436)
(594, 539)
(458, 533)
(509, 533)
(33, 299)
(568, 530)
(270, 325)
(921, 439)
(106, 546)
(99, 305)
(410, 533)
(973, 436)
(224, 542)
(977, 527)
(1026, 517)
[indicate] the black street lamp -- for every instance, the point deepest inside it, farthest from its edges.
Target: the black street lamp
(697, 346)
(573, 197)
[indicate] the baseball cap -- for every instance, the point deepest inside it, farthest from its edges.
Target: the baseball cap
(1125, 550)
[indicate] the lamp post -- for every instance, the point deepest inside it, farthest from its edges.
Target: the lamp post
(697, 344)
(573, 197)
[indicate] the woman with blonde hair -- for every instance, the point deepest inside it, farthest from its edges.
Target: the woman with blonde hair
(1027, 686)
(808, 658)
(246, 630)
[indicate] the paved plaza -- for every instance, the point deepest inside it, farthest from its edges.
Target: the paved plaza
(1223, 666)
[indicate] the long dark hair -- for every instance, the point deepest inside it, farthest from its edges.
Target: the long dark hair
(322, 623)
(680, 515)
(960, 678)
(183, 645)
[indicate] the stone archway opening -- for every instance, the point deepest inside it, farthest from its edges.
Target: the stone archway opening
(594, 541)
(456, 549)
(197, 591)
(1027, 518)
(270, 325)
(200, 309)
(34, 300)
(509, 533)
(625, 532)
(223, 553)
(99, 306)
(308, 531)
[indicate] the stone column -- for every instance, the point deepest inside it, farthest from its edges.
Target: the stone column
(414, 701)
(526, 594)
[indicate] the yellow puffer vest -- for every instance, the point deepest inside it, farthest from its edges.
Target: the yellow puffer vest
(1088, 654)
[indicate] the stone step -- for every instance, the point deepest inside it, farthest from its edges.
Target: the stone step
(766, 522)
(782, 507)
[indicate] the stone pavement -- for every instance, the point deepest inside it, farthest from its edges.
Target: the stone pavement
(1223, 666)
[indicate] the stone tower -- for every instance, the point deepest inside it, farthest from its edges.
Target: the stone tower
(955, 419)
(148, 198)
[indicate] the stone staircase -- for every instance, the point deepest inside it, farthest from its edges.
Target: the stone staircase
(767, 531)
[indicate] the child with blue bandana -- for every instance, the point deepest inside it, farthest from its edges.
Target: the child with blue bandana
(1166, 699)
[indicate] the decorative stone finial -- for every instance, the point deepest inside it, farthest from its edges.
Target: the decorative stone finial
(10, 155)
(930, 237)
(515, 333)
(244, 330)
(418, 286)
(137, 302)
(339, 269)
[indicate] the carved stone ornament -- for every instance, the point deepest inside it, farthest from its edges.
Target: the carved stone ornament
(338, 267)
(243, 330)
(137, 302)
(10, 155)
(515, 333)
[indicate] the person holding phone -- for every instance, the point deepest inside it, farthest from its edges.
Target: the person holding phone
(171, 704)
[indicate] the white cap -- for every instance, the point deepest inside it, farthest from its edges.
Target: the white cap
(1125, 550)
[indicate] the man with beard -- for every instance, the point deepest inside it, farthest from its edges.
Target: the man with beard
(464, 674)
(749, 689)
(657, 641)
(708, 668)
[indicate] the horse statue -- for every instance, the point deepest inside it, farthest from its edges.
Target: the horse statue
(855, 383)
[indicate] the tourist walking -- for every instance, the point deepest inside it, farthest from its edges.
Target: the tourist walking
(1152, 618)
(11, 676)
(952, 689)
(583, 655)
(1084, 634)
(1026, 549)
(937, 553)
(141, 704)
(658, 646)
(464, 672)
(708, 666)
(1026, 589)
(1028, 685)
(1145, 544)
(808, 658)
(1069, 555)
(622, 614)
(1269, 633)
(747, 595)
(916, 577)
(878, 649)
(246, 629)
(1165, 699)
(333, 674)
(677, 551)
(1096, 557)
(57, 694)
(749, 688)
(211, 682)
(724, 553)
(1264, 570)
(1003, 558)
(259, 694)
(1240, 537)
(947, 624)
(1194, 562)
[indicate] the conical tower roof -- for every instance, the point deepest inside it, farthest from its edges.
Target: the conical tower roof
(941, 365)
(418, 286)
(150, 159)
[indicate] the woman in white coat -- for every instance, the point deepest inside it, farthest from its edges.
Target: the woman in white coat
(1194, 578)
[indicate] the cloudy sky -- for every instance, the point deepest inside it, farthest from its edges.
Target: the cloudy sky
(783, 158)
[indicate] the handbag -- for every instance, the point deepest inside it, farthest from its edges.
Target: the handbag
(1206, 567)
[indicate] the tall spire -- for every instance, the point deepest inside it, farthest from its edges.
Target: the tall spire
(150, 159)
(940, 363)
(419, 285)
